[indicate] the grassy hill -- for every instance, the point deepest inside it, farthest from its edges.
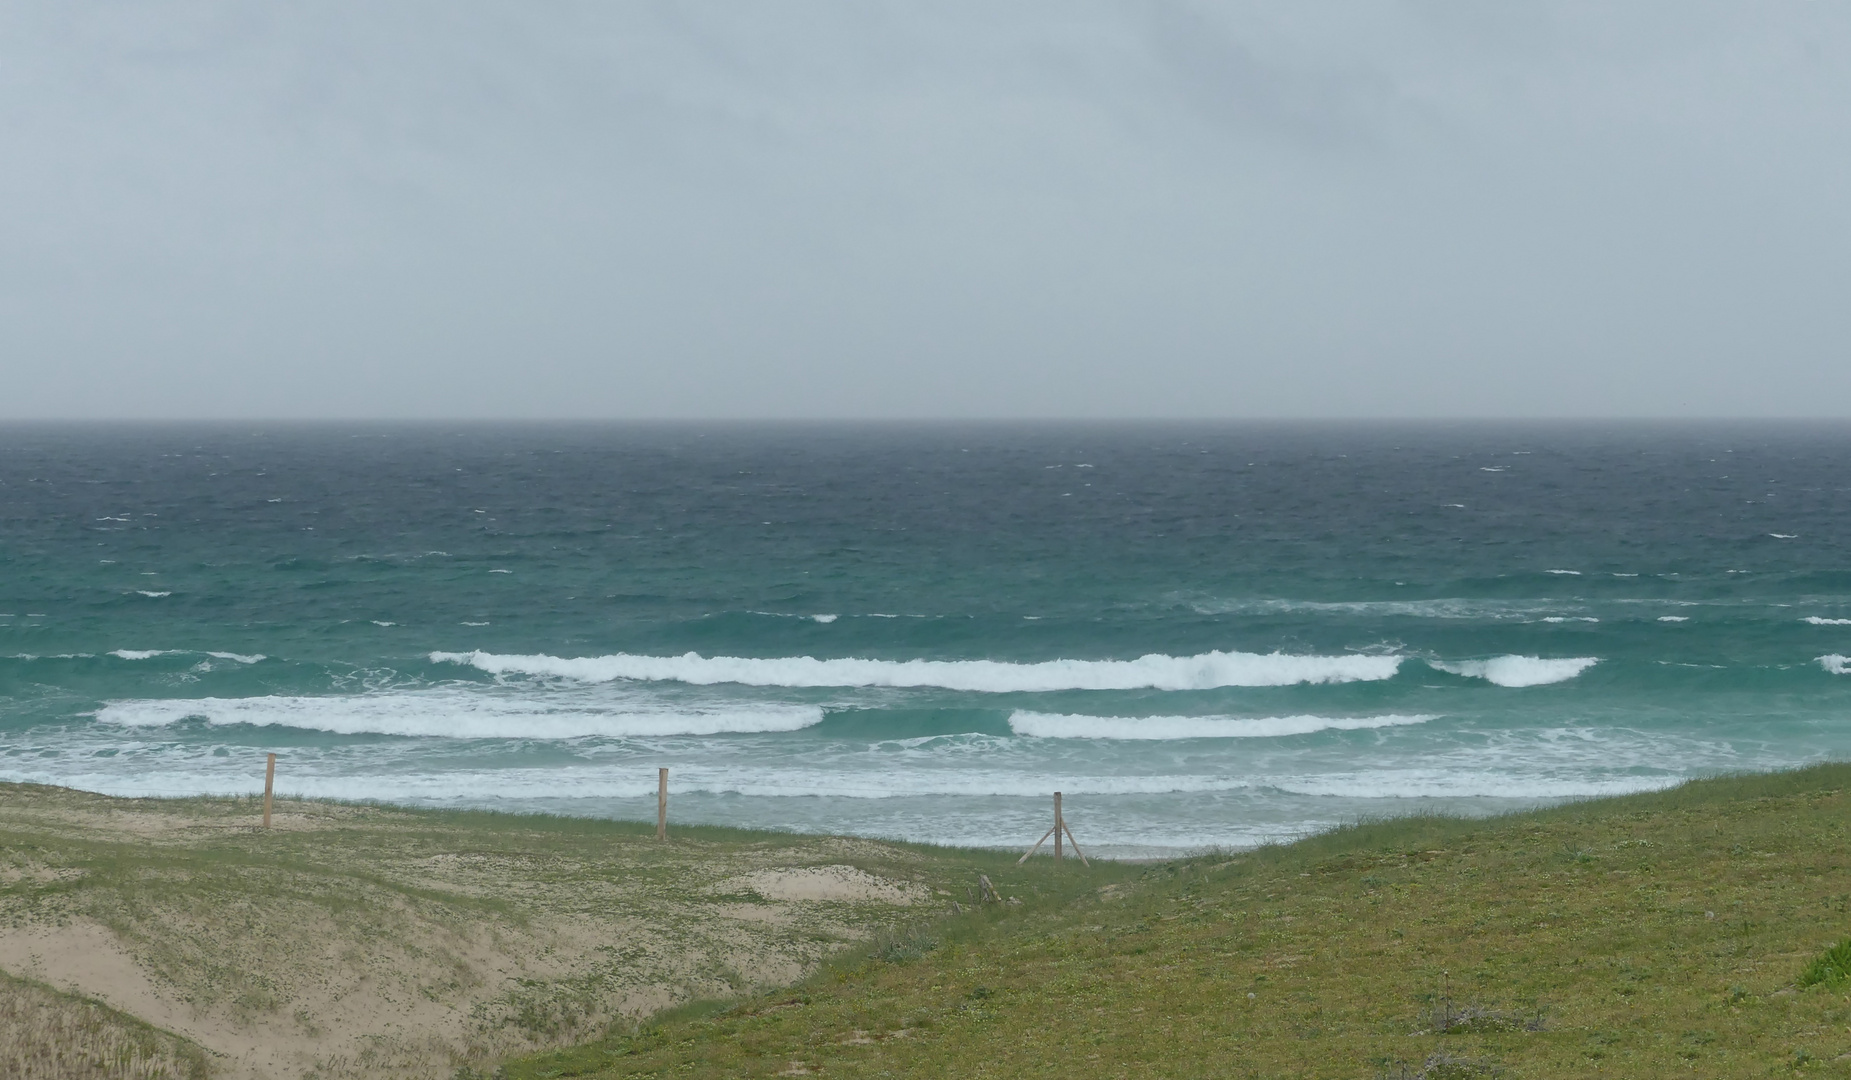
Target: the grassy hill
(1656, 935)
(150, 939)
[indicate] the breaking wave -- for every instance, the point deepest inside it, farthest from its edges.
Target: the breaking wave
(1058, 726)
(455, 716)
(149, 654)
(1519, 670)
(1154, 671)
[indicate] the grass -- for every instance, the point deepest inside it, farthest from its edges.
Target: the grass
(46, 1034)
(1655, 935)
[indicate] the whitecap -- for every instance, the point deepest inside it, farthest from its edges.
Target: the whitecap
(455, 715)
(1070, 726)
(1785, 536)
(1517, 671)
(1573, 573)
(1450, 607)
(149, 654)
(1153, 671)
(1834, 663)
(825, 618)
(152, 594)
(1570, 618)
(1674, 618)
(1818, 620)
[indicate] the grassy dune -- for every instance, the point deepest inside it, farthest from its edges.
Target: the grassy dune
(1657, 935)
(46, 1034)
(366, 941)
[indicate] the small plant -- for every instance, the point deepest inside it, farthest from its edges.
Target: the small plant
(1441, 1066)
(904, 948)
(1829, 968)
(1473, 1019)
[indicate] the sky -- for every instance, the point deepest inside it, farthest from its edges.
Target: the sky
(945, 209)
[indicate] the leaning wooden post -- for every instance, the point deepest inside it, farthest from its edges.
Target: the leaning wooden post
(269, 785)
(1057, 826)
(661, 804)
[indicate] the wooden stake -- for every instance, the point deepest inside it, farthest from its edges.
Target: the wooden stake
(1057, 826)
(1076, 846)
(661, 804)
(269, 785)
(1037, 847)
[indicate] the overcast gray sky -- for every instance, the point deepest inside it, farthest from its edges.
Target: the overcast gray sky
(454, 208)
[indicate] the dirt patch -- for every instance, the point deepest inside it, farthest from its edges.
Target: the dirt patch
(838, 883)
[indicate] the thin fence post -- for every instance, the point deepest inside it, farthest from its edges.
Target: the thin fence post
(661, 804)
(269, 785)
(1057, 827)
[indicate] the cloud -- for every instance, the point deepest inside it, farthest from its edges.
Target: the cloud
(868, 209)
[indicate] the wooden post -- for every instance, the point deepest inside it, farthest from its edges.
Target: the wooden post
(661, 804)
(269, 785)
(1060, 828)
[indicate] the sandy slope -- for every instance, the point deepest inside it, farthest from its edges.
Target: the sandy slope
(360, 942)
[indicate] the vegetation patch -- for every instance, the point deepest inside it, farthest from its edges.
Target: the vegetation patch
(1651, 935)
(1829, 968)
(46, 1034)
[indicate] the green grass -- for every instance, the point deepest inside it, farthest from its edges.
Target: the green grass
(1666, 934)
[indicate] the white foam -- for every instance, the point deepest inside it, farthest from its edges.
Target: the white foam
(1519, 670)
(1836, 664)
(1069, 726)
(1674, 618)
(825, 618)
(1442, 608)
(1820, 621)
(1154, 671)
(1575, 573)
(152, 594)
(149, 654)
(1466, 784)
(1785, 536)
(1569, 618)
(456, 716)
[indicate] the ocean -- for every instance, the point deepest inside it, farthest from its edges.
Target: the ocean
(1203, 635)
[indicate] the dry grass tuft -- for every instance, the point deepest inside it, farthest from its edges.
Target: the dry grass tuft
(47, 1035)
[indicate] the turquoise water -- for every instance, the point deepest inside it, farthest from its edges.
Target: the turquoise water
(1201, 635)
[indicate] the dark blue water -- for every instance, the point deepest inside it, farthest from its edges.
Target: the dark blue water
(1202, 635)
